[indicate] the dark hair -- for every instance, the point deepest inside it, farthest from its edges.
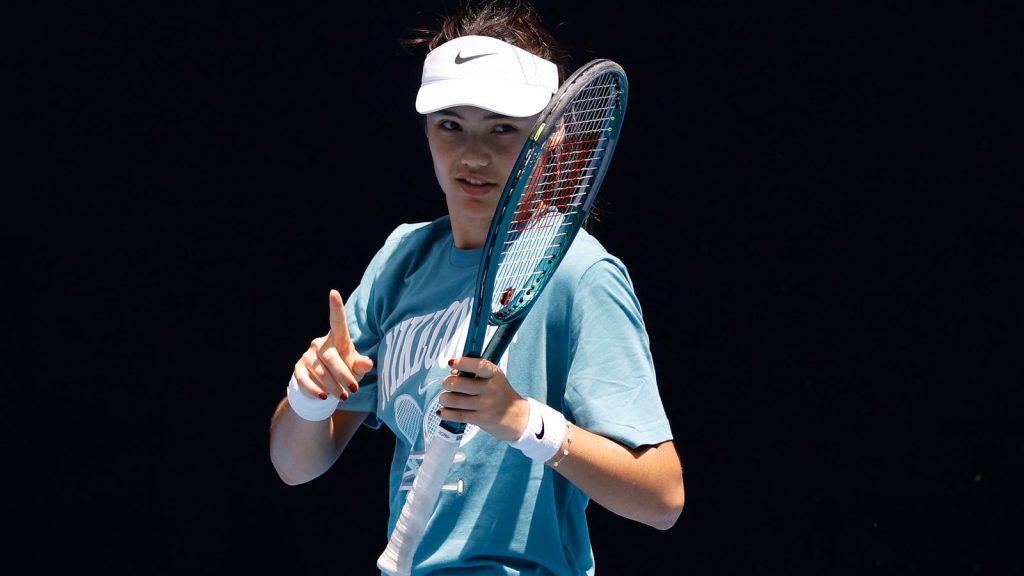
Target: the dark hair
(512, 21)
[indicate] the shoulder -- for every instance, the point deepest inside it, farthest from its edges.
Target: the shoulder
(589, 276)
(411, 239)
(589, 261)
(418, 232)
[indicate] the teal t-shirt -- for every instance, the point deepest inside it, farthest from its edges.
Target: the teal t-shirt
(582, 350)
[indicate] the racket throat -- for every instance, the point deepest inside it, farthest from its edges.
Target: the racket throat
(500, 340)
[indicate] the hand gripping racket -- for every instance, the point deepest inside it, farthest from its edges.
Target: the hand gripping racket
(544, 204)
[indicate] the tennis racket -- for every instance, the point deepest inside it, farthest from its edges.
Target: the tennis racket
(546, 200)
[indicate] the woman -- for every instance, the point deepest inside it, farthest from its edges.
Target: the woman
(570, 413)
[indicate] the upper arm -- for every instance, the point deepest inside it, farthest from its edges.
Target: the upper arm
(664, 457)
(662, 461)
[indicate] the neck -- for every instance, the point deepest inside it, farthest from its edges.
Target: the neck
(469, 233)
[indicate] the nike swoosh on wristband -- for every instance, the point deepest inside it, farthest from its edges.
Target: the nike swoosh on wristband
(540, 434)
(460, 60)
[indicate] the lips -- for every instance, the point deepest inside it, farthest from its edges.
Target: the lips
(474, 185)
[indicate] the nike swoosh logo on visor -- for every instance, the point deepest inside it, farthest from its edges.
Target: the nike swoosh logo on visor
(460, 60)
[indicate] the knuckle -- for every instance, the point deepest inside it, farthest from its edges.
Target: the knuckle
(485, 369)
(327, 352)
(303, 368)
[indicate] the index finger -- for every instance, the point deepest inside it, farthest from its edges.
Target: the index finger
(474, 367)
(339, 326)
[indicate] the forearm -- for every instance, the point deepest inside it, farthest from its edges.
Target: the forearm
(302, 450)
(643, 484)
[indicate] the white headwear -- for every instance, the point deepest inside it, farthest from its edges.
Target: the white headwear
(487, 73)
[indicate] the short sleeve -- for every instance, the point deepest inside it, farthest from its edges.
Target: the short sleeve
(364, 328)
(612, 388)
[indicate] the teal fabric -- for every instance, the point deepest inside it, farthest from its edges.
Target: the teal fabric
(582, 350)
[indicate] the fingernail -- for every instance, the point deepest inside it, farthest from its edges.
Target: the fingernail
(322, 395)
(439, 412)
(353, 387)
(451, 361)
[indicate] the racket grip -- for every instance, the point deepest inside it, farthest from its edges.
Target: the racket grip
(396, 560)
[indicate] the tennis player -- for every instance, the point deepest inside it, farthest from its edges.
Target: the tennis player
(570, 414)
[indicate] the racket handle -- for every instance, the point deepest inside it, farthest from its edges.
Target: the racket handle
(396, 560)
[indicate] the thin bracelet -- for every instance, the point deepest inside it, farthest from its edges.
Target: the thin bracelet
(568, 444)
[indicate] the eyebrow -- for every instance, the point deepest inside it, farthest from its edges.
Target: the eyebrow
(491, 116)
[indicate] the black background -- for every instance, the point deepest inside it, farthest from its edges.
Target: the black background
(819, 204)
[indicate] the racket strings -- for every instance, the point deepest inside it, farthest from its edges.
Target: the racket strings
(553, 196)
(580, 137)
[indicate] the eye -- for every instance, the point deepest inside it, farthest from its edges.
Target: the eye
(448, 125)
(505, 128)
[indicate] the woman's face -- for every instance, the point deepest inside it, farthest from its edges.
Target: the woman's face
(474, 151)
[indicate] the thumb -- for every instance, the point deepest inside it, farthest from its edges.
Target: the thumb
(361, 365)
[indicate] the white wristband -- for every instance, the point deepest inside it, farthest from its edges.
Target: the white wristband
(544, 432)
(308, 406)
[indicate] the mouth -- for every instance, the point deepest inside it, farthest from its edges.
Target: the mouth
(474, 185)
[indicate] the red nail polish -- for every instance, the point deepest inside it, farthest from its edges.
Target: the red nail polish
(322, 395)
(353, 387)
(451, 362)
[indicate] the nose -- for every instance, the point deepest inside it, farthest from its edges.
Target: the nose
(474, 155)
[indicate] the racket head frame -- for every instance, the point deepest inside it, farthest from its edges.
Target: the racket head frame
(504, 217)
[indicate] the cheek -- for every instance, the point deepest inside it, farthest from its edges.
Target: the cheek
(439, 159)
(510, 152)
(508, 159)
(439, 174)
(437, 155)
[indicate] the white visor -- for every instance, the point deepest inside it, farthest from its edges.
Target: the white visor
(487, 73)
